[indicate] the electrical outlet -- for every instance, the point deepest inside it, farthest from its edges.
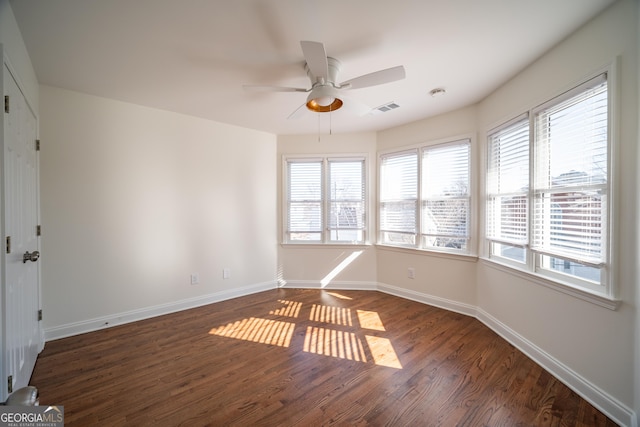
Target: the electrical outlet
(195, 278)
(411, 273)
(226, 273)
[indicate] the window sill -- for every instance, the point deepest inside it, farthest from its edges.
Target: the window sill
(426, 252)
(585, 295)
(327, 245)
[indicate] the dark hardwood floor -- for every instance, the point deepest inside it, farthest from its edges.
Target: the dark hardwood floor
(292, 357)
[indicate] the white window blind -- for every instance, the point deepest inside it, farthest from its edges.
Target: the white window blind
(304, 200)
(570, 177)
(507, 187)
(399, 198)
(326, 200)
(445, 195)
(346, 200)
(547, 189)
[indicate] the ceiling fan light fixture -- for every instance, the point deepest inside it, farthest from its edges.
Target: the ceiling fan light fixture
(323, 98)
(317, 107)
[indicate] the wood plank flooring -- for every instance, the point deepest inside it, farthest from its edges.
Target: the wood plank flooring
(292, 357)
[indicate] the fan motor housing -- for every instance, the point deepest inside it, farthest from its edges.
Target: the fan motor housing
(333, 69)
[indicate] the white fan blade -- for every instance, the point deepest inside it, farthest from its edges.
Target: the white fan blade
(376, 78)
(258, 88)
(298, 112)
(316, 58)
(355, 106)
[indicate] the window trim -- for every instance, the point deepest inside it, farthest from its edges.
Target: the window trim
(325, 199)
(529, 270)
(419, 148)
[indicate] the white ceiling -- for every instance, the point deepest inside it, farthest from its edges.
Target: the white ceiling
(193, 56)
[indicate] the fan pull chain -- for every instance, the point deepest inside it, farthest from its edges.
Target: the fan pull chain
(330, 116)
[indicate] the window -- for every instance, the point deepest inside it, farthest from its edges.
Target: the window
(547, 187)
(445, 196)
(425, 197)
(399, 198)
(325, 200)
(507, 191)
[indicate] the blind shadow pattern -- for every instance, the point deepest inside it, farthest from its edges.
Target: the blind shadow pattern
(335, 332)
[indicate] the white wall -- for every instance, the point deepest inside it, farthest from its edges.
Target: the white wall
(312, 266)
(135, 199)
(594, 343)
(445, 280)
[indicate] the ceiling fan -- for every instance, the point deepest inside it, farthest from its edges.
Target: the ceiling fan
(325, 92)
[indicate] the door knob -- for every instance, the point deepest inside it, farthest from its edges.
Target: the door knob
(30, 256)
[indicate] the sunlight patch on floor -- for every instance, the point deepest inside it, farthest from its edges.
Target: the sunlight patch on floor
(264, 331)
(331, 314)
(339, 295)
(289, 309)
(370, 320)
(330, 342)
(383, 352)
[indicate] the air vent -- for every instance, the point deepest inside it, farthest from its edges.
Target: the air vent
(384, 108)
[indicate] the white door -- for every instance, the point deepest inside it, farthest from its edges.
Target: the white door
(22, 331)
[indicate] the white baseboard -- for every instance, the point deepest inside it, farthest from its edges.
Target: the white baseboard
(98, 323)
(334, 285)
(591, 393)
(435, 301)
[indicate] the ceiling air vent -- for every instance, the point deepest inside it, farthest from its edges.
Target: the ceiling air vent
(384, 108)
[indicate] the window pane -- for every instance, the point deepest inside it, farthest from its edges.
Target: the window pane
(572, 268)
(346, 200)
(346, 236)
(507, 251)
(570, 177)
(399, 177)
(445, 171)
(398, 216)
(508, 218)
(507, 184)
(571, 141)
(346, 180)
(399, 239)
(399, 198)
(308, 237)
(304, 200)
(445, 196)
(305, 181)
(445, 223)
(570, 223)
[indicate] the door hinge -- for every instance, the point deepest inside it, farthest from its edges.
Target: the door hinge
(10, 383)
(37, 145)
(39, 315)
(8, 244)
(38, 230)
(6, 103)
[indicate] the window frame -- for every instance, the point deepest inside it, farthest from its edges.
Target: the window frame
(420, 200)
(603, 294)
(326, 200)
